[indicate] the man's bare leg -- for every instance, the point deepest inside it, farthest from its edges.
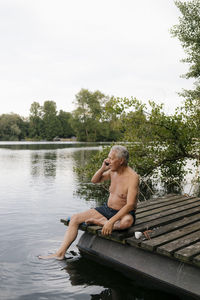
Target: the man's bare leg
(72, 232)
(100, 221)
(124, 223)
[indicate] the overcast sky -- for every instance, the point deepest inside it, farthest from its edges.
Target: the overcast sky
(50, 49)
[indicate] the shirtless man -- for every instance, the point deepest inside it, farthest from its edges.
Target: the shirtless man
(119, 212)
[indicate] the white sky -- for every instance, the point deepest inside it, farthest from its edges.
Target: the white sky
(50, 49)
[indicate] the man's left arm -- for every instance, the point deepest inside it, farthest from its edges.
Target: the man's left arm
(130, 205)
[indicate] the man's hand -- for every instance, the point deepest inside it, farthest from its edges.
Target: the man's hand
(105, 164)
(107, 228)
(103, 173)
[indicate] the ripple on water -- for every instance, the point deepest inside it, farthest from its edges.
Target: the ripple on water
(30, 277)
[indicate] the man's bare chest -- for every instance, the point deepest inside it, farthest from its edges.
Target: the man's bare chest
(119, 185)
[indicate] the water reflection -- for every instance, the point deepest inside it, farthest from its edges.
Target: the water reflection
(116, 287)
(50, 164)
(81, 157)
(43, 164)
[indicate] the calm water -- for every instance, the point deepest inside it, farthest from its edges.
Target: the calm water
(38, 188)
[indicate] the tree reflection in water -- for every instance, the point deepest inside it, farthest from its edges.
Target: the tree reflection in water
(43, 164)
(82, 271)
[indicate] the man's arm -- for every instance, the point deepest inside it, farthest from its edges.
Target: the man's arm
(102, 174)
(130, 205)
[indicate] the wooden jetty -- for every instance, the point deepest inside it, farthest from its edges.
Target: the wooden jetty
(168, 252)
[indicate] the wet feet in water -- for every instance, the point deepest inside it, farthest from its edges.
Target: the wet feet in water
(55, 255)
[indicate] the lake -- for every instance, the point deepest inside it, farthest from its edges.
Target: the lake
(37, 188)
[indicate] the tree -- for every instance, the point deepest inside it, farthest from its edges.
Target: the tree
(36, 122)
(188, 32)
(51, 123)
(94, 119)
(87, 115)
(158, 143)
(12, 127)
(113, 120)
(65, 119)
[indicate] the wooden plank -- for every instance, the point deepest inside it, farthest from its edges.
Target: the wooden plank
(152, 212)
(168, 237)
(168, 196)
(113, 237)
(169, 248)
(93, 228)
(165, 220)
(174, 225)
(133, 241)
(196, 260)
(187, 253)
(169, 227)
(159, 200)
(65, 222)
(162, 198)
(172, 211)
(162, 204)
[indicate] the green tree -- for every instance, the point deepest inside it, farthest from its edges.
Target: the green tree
(157, 139)
(87, 116)
(188, 32)
(51, 123)
(36, 122)
(23, 124)
(12, 127)
(158, 144)
(65, 119)
(113, 121)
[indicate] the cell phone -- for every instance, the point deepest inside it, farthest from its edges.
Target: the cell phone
(107, 163)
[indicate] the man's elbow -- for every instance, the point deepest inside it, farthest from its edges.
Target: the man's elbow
(93, 180)
(130, 206)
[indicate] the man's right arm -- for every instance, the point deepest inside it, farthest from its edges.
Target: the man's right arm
(102, 174)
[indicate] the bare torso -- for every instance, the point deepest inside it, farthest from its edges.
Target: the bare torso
(119, 187)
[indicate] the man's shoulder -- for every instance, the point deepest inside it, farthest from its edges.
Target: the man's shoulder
(132, 173)
(134, 178)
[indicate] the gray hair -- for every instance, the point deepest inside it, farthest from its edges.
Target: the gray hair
(121, 152)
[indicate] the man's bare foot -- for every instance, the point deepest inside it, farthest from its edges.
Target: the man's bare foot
(55, 255)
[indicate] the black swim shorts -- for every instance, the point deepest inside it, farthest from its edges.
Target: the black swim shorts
(110, 212)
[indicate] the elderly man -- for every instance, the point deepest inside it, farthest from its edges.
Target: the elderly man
(119, 212)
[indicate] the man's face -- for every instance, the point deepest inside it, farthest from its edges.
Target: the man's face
(114, 162)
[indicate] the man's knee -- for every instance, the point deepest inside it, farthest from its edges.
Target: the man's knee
(126, 222)
(75, 219)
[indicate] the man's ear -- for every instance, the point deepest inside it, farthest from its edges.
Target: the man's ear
(122, 161)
